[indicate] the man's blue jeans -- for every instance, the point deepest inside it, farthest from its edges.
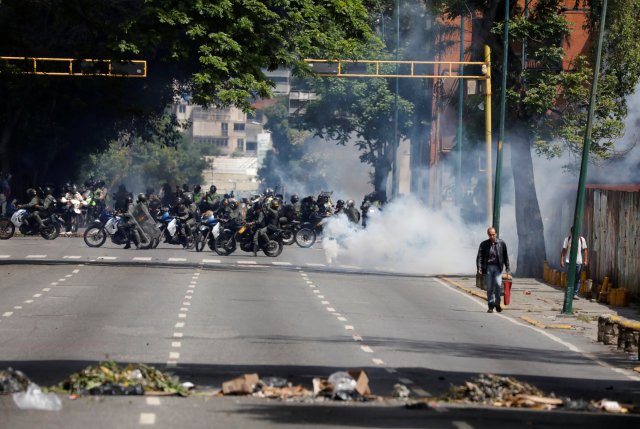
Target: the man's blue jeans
(576, 283)
(493, 282)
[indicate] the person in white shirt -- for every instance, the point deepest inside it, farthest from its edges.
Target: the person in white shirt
(581, 260)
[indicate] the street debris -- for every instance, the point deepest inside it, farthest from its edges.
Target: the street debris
(35, 399)
(107, 378)
(342, 385)
(497, 391)
(13, 381)
(400, 391)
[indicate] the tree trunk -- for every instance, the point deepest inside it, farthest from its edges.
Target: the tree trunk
(5, 138)
(531, 248)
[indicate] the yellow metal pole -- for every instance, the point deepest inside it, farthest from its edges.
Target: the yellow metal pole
(487, 116)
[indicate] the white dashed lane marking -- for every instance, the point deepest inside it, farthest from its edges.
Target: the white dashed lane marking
(176, 344)
(178, 335)
(7, 314)
(36, 256)
(377, 361)
(47, 289)
(211, 261)
(29, 301)
(37, 295)
(71, 257)
(153, 401)
(315, 265)
(5, 256)
(348, 327)
(357, 338)
(366, 349)
(174, 355)
(141, 258)
(331, 309)
(177, 259)
(246, 262)
(76, 271)
(147, 419)
(180, 325)
(107, 258)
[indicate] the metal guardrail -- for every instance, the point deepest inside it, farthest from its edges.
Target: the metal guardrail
(73, 67)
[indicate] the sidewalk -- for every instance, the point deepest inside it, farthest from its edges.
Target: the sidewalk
(540, 305)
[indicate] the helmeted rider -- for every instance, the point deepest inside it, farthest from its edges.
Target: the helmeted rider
(271, 222)
(128, 226)
(33, 207)
(352, 213)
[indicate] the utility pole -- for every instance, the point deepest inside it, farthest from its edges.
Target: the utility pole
(567, 307)
(503, 107)
(395, 173)
(460, 101)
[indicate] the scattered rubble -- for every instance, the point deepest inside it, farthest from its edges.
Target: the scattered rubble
(107, 378)
(12, 381)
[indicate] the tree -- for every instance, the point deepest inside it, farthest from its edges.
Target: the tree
(215, 50)
(362, 111)
(547, 105)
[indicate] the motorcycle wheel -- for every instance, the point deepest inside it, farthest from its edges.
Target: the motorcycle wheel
(50, 232)
(224, 245)
(273, 248)
(201, 241)
(95, 236)
(7, 228)
(288, 238)
(74, 224)
(305, 237)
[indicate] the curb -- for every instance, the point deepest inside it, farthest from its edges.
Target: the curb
(464, 288)
(537, 324)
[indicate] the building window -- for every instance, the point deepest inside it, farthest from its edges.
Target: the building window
(225, 129)
(240, 145)
(221, 142)
(252, 146)
(238, 126)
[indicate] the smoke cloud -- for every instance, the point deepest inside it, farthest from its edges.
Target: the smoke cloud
(405, 237)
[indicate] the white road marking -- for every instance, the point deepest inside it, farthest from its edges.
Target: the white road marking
(76, 271)
(391, 370)
(190, 291)
(357, 337)
(325, 303)
(36, 256)
(174, 355)
(366, 349)
(180, 325)
(153, 401)
(303, 274)
(107, 258)
(147, 419)
(331, 309)
(5, 256)
(377, 361)
(177, 259)
(211, 261)
(54, 284)
(186, 303)
(405, 380)
(69, 275)
(172, 364)
(462, 425)
(558, 340)
(71, 257)
(321, 296)
(7, 314)
(350, 267)
(29, 301)
(246, 262)
(184, 309)
(178, 335)
(141, 258)
(348, 327)
(47, 289)
(193, 282)
(196, 274)
(182, 316)
(188, 297)
(176, 344)
(316, 291)
(17, 307)
(281, 263)
(312, 286)
(192, 286)
(315, 265)
(342, 319)
(37, 295)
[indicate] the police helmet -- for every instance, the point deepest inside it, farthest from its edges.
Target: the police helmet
(188, 198)
(295, 198)
(340, 203)
(213, 189)
(234, 204)
(32, 192)
(129, 199)
(351, 203)
(275, 204)
(142, 198)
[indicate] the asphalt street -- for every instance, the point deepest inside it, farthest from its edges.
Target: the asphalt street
(208, 319)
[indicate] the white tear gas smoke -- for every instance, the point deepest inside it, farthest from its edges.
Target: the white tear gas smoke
(405, 237)
(339, 167)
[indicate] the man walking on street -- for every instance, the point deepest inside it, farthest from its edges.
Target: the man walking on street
(492, 258)
(581, 259)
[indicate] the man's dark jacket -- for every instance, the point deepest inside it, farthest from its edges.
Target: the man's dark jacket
(483, 255)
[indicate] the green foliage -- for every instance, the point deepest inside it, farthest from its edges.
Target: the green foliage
(147, 163)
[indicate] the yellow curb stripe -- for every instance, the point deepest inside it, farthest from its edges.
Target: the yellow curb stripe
(533, 322)
(559, 327)
(459, 286)
(637, 369)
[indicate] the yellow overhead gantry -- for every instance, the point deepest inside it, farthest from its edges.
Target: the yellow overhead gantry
(417, 70)
(74, 67)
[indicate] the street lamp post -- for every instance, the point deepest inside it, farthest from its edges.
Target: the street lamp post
(567, 307)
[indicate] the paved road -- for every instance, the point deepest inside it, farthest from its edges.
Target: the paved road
(207, 318)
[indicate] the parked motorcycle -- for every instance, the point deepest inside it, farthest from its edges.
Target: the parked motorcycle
(207, 232)
(233, 235)
(49, 230)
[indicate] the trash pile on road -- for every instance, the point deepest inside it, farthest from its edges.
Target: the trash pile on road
(342, 385)
(12, 381)
(107, 378)
(497, 391)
